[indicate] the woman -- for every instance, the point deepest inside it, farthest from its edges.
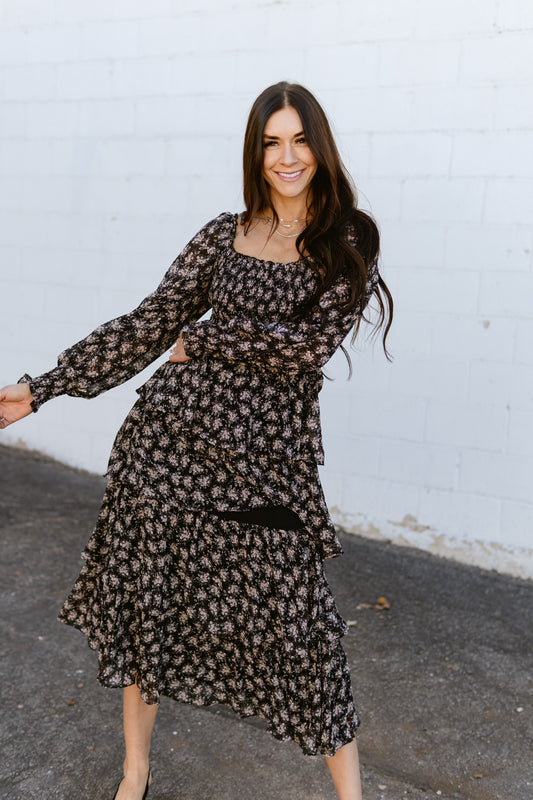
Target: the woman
(203, 580)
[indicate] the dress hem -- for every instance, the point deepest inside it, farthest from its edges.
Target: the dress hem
(198, 702)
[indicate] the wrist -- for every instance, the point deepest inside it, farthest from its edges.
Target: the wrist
(27, 379)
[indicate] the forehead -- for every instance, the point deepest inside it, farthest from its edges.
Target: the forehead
(285, 122)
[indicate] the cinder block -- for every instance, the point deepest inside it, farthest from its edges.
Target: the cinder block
(109, 40)
(101, 195)
(352, 455)
(67, 11)
(223, 194)
(501, 385)
(54, 266)
(452, 108)
(408, 336)
(378, 499)
(138, 77)
(512, 109)
(344, 66)
(131, 234)
(413, 63)
(520, 433)
(27, 12)
(371, 370)
(33, 307)
(64, 303)
(198, 155)
(255, 69)
(435, 291)
(84, 80)
(524, 337)
(515, 15)
(107, 118)
(48, 193)
(11, 196)
(434, 199)
(74, 157)
(323, 23)
(409, 244)
(56, 120)
(131, 156)
(517, 524)
(472, 338)
(391, 417)
(478, 426)
(335, 409)
(375, 22)
(362, 110)
(113, 303)
(425, 154)
(483, 247)
(203, 73)
(142, 271)
(461, 514)
(169, 116)
(26, 157)
(509, 201)
(383, 197)
(496, 475)
(506, 294)
(502, 58)
(417, 464)
(12, 120)
(30, 82)
(53, 44)
(454, 18)
(172, 35)
(332, 485)
(427, 377)
(503, 154)
(12, 269)
(14, 46)
(41, 230)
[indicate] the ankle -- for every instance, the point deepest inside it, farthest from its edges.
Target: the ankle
(136, 769)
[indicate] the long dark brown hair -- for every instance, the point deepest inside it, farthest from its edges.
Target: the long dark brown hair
(339, 239)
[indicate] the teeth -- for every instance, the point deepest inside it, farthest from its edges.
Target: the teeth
(291, 174)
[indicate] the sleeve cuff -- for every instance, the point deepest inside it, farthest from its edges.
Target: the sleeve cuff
(45, 387)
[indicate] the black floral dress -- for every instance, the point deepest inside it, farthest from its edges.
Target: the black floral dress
(203, 579)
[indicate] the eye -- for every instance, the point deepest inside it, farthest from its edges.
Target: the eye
(270, 143)
(301, 140)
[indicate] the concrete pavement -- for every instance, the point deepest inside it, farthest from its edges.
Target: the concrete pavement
(443, 679)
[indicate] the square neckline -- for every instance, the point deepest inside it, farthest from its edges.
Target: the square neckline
(236, 217)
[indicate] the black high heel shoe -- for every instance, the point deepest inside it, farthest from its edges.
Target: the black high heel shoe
(145, 795)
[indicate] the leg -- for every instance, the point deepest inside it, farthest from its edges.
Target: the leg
(139, 720)
(344, 769)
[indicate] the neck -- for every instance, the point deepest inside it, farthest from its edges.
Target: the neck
(288, 209)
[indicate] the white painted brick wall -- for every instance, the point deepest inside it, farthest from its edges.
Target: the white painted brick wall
(120, 134)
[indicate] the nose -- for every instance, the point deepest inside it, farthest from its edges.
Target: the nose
(288, 155)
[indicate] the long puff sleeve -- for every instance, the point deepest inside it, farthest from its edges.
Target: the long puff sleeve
(306, 344)
(122, 347)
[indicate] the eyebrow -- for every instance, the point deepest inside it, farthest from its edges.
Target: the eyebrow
(268, 136)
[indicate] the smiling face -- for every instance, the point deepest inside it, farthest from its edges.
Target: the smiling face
(288, 163)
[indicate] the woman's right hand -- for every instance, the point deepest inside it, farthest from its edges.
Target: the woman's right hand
(15, 403)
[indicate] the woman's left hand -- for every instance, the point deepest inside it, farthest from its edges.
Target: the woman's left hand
(178, 353)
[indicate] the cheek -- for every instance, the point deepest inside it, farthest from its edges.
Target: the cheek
(268, 159)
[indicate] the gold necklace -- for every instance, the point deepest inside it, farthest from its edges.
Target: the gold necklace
(285, 224)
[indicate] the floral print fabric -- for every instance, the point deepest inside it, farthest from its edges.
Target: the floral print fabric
(200, 607)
